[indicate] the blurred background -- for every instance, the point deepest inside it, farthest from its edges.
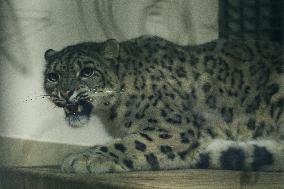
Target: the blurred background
(29, 27)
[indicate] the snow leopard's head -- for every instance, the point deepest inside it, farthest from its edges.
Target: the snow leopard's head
(82, 79)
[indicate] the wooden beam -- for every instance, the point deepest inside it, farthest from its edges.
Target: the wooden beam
(52, 178)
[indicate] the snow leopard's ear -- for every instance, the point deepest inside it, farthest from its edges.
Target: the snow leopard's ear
(110, 49)
(48, 54)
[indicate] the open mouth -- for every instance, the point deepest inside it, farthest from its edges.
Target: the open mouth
(78, 114)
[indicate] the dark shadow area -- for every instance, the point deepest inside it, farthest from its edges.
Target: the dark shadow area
(252, 19)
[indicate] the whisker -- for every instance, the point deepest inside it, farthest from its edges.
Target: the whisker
(43, 96)
(31, 98)
(81, 93)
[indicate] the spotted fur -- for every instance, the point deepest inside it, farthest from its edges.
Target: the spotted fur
(218, 105)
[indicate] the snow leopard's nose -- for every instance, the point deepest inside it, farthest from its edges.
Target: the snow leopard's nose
(70, 96)
(66, 94)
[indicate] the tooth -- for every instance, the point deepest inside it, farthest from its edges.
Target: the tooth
(80, 108)
(66, 110)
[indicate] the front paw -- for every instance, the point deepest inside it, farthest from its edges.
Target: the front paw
(91, 163)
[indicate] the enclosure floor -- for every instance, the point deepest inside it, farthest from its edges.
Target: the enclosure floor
(52, 178)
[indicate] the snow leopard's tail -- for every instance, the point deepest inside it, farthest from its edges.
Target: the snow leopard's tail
(256, 155)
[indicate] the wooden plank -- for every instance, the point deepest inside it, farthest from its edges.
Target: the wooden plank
(52, 178)
(23, 152)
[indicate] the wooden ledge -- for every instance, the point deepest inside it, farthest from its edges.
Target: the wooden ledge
(52, 178)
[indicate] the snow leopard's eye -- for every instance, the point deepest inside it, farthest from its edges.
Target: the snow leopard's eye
(52, 77)
(87, 72)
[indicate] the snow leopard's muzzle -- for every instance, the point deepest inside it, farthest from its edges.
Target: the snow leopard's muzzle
(77, 114)
(77, 108)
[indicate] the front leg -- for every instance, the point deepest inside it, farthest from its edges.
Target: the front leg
(145, 150)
